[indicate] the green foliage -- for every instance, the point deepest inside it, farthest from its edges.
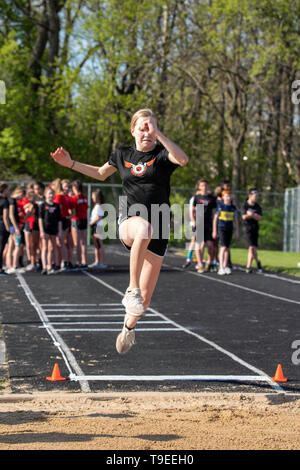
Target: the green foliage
(207, 69)
(271, 230)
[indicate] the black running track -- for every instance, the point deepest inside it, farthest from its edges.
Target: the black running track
(203, 333)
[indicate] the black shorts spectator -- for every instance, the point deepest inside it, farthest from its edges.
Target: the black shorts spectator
(225, 236)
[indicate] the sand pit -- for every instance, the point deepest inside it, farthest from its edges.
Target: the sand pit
(149, 421)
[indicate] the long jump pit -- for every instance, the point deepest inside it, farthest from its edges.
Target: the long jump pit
(149, 421)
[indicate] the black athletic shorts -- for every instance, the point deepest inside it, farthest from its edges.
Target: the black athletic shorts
(51, 231)
(225, 237)
(27, 228)
(251, 237)
(80, 224)
(157, 246)
(208, 233)
(66, 224)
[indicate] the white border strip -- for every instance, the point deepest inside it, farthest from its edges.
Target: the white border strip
(203, 378)
(69, 305)
(83, 309)
(113, 329)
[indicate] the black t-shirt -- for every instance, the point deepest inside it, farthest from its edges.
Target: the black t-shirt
(3, 205)
(210, 203)
(38, 200)
(50, 213)
(145, 177)
(251, 224)
(13, 202)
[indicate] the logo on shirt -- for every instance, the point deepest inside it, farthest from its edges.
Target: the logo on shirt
(51, 209)
(139, 169)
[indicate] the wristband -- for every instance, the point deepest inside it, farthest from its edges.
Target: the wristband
(71, 167)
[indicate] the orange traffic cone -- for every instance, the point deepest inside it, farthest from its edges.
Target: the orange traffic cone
(55, 374)
(279, 377)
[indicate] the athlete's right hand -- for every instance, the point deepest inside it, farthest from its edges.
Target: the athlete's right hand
(62, 157)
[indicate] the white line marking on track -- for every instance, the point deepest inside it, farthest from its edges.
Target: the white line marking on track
(82, 305)
(205, 378)
(238, 286)
(83, 309)
(102, 322)
(235, 358)
(57, 340)
(274, 276)
(114, 329)
(94, 315)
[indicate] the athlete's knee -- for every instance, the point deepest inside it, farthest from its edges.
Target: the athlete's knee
(143, 230)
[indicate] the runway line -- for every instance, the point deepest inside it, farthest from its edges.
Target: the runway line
(273, 276)
(238, 286)
(56, 338)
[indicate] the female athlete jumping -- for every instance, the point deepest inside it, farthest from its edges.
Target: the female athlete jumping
(145, 170)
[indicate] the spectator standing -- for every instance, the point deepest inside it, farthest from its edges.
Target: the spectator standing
(50, 228)
(79, 204)
(251, 216)
(209, 202)
(226, 218)
(96, 224)
(4, 223)
(16, 239)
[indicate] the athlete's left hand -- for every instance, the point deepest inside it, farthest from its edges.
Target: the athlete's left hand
(152, 125)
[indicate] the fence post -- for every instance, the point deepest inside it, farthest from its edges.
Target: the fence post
(286, 219)
(298, 219)
(89, 214)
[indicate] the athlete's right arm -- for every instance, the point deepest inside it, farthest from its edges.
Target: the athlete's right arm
(62, 157)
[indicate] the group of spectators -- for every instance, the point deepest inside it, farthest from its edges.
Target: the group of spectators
(48, 224)
(219, 225)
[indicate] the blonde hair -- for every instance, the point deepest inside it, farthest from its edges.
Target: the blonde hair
(57, 186)
(141, 113)
(18, 191)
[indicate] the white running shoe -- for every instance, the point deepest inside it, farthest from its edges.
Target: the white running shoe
(125, 339)
(227, 270)
(29, 267)
(11, 270)
(221, 272)
(133, 302)
(16, 271)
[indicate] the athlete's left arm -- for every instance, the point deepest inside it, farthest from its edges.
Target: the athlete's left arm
(176, 154)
